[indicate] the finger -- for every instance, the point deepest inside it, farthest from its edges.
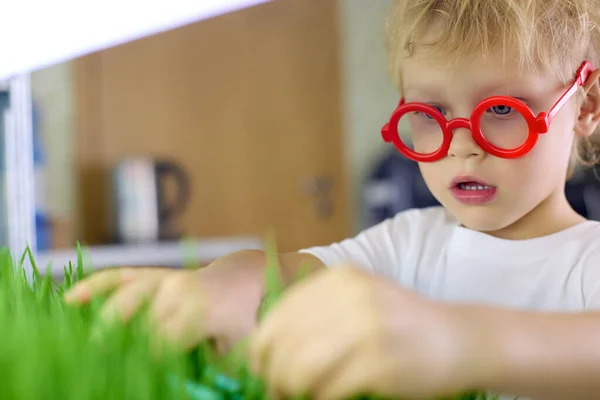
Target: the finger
(270, 331)
(306, 338)
(163, 336)
(314, 349)
(284, 333)
(180, 330)
(297, 362)
(303, 341)
(281, 316)
(169, 296)
(83, 291)
(205, 315)
(128, 300)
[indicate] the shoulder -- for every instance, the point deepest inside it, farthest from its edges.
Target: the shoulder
(579, 244)
(589, 239)
(585, 249)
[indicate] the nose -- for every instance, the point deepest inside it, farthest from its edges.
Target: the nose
(463, 145)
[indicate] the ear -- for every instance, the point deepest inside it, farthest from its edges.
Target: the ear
(589, 111)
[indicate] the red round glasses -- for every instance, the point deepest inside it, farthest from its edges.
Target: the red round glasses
(506, 135)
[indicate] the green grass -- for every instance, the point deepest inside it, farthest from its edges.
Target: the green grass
(49, 350)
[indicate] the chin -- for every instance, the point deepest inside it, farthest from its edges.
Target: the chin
(483, 219)
(487, 226)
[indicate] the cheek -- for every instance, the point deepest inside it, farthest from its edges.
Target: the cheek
(434, 177)
(546, 165)
(561, 134)
(555, 147)
(521, 175)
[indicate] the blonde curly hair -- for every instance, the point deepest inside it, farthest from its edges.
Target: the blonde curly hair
(555, 33)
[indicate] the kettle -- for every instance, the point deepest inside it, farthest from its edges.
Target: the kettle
(142, 210)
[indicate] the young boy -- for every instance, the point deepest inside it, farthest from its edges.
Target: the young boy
(498, 290)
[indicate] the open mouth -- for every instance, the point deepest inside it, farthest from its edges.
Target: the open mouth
(472, 191)
(473, 186)
(470, 183)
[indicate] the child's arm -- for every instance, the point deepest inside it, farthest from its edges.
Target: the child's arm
(363, 334)
(220, 300)
(296, 265)
(543, 356)
(249, 264)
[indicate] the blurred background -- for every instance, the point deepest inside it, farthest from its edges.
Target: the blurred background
(215, 133)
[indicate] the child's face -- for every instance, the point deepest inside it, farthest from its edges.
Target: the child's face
(534, 182)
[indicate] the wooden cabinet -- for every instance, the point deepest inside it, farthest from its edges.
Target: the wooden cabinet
(248, 103)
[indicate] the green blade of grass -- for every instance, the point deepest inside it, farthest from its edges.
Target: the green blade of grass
(274, 284)
(49, 350)
(189, 251)
(36, 271)
(80, 271)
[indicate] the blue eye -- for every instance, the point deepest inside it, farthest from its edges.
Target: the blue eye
(439, 109)
(501, 110)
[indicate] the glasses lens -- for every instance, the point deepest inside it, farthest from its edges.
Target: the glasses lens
(420, 132)
(504, 127)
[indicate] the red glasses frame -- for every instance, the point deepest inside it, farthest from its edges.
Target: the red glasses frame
(537, 124)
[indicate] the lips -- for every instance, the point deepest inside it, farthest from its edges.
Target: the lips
(472, 191)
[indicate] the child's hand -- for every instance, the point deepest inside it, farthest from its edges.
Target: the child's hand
(187, 306)
(344, 333)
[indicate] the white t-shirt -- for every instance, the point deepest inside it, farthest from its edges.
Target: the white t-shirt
(429, 252)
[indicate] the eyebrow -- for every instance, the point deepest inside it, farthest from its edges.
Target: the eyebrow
(514, 89)
(424, 90)
(522, 87)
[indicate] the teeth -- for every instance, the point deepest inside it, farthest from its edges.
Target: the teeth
(466, 186)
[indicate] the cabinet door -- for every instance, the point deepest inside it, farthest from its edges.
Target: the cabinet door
(248, 103)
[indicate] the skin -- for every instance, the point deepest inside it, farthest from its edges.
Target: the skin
(364, 338)
(531, 200)
(344, 331)
(218, 302)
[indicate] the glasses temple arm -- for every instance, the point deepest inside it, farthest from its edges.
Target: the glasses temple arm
(583, 73)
